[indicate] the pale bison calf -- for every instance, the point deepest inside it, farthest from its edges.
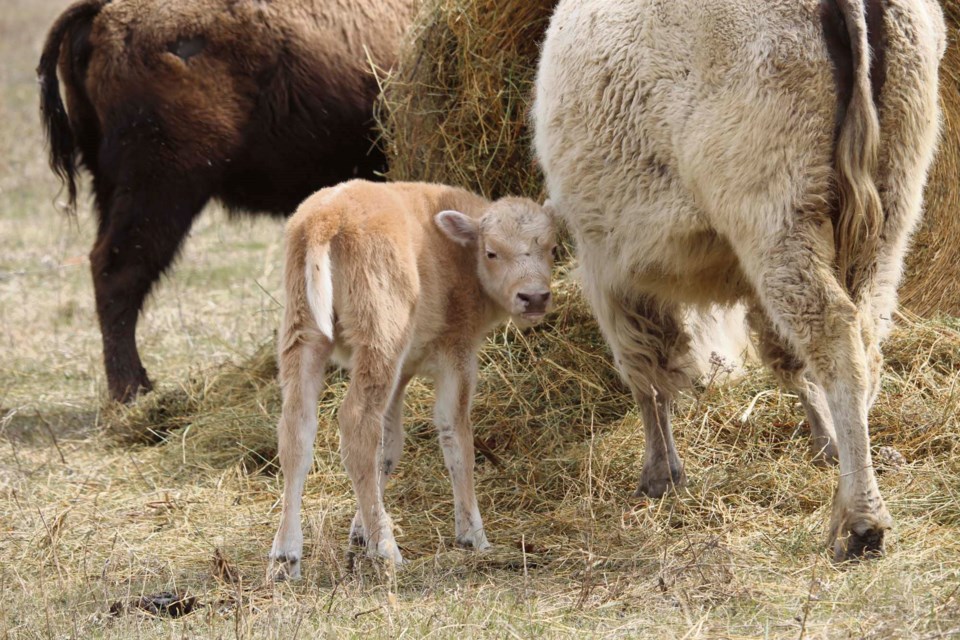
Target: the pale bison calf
(392, 281)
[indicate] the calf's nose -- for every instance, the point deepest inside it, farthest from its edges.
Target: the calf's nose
(534, 302)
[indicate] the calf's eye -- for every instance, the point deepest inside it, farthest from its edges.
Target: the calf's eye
(491, 255)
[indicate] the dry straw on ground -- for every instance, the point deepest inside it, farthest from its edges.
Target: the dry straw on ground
(455, 111)
(563, 449)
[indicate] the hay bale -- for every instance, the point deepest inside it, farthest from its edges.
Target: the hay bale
(932, 281)
(455, 111)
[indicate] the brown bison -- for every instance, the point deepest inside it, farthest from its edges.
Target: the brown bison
(170, 103)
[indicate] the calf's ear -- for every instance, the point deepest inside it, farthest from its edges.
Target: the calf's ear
(460, 228)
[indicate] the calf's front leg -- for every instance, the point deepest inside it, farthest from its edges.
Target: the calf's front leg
(455, 388)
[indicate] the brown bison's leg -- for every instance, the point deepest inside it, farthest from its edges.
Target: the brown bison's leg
(648, 342)
(138, 238)
(791, 372)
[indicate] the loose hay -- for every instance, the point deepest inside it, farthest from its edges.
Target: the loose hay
(556, 418)
(455, 111)
(746, 536)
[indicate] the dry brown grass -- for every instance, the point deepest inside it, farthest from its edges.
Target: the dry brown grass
(738, 554)
(90, 517)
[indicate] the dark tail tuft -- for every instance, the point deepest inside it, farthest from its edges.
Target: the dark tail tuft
(56, 124)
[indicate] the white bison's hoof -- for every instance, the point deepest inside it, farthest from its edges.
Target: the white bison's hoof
(859, 538)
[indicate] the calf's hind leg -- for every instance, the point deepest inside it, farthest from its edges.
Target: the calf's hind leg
(301, 375)
(372, 385)
(392, 451)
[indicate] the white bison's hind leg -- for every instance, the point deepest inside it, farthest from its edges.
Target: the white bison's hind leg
(793, 274)
(791, 371)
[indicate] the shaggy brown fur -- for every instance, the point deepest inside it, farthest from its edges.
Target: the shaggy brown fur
(171, 103)
(393, 281)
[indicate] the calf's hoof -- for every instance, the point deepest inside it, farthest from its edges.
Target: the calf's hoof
(284, 566)
(656, 484)
(476, 540)
(388, 551)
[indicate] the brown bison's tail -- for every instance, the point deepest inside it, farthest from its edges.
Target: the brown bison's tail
(56, 124)
(860, 220)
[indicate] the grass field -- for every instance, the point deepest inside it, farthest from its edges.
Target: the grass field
(90, 522)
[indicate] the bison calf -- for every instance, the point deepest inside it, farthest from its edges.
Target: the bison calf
(422, 273)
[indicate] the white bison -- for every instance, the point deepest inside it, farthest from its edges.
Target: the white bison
(775, 153)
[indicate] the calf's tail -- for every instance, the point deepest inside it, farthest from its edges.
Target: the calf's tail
(308, 276)
(320, 287)
(56, 124)
(859, 223)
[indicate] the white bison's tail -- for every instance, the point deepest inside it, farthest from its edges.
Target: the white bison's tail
(320, 287)
(860, 219)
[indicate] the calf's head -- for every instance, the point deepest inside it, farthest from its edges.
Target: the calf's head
(514, 241)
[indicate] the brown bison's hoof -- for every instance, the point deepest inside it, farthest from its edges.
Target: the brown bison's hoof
(658, 482)
(129, 390)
